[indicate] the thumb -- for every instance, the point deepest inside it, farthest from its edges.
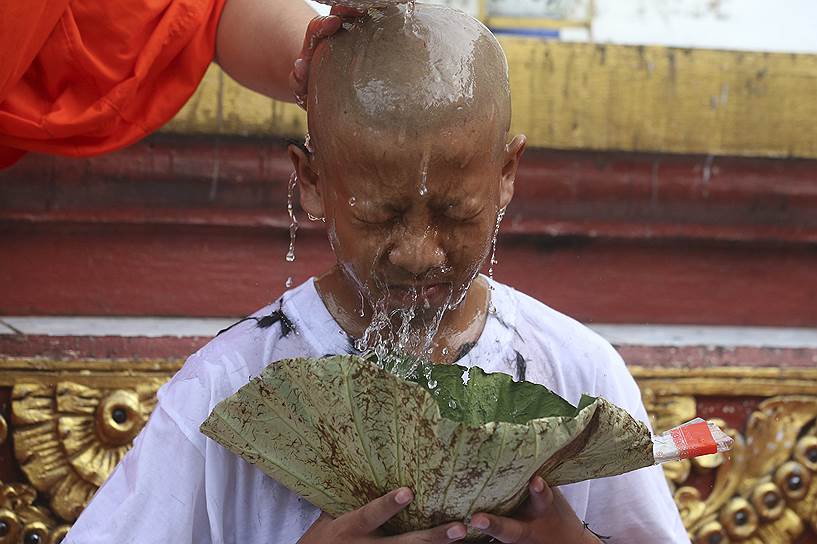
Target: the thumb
(541, 497)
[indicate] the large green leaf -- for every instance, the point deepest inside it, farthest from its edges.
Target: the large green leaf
(340, 432)
(491, 397)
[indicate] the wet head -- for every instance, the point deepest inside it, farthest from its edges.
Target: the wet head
(412, 162)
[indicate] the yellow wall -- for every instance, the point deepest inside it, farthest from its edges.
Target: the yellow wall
(584, 96)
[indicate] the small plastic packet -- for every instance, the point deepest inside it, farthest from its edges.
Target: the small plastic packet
(693, 439)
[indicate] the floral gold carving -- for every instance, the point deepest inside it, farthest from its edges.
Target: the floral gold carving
(22, 521)
(72, 421)
(68, 437)
(765, 490)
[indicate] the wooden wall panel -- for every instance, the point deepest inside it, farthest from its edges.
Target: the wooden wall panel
(600, 97)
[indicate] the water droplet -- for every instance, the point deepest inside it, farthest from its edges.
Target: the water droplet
(308, 143)
(352, 202)
(411, 7)
(293, 221)
(452, 404)
(313, 218)
(432, 384)
(500, 216)
(289, 283)
(424, 164)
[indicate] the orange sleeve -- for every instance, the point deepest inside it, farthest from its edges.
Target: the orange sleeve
(106, 74)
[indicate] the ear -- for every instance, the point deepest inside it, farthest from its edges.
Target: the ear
(311, 200)
(513, 155)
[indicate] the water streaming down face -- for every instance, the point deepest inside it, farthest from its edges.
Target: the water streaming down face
(293, 221)
(412, 191)
(410, 23)
(424, 165)
(500, 216)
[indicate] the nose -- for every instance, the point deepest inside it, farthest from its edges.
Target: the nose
(417, 252)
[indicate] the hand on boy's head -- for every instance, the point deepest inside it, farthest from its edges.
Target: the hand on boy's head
(363, 525)
(544, 519)
(411, 165)
(319, 29)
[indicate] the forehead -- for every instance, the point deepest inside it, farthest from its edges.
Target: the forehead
(460, 144)
(398, 163)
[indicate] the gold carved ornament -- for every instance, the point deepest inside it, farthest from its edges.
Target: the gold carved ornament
(765, 490)
(21, 521)
(68, 437)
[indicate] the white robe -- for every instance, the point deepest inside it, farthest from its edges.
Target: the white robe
(176, 486)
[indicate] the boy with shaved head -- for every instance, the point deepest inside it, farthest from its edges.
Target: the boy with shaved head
(411, 167)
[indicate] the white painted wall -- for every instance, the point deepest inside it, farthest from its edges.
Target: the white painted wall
(751, 25)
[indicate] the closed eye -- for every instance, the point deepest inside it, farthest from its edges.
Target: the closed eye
(463, 214)
(377, 220)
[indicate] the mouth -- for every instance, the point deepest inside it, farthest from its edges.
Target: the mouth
(433, 294)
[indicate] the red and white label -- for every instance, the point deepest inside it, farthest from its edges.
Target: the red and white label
(694, 440)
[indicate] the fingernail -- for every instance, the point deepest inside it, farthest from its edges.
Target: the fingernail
(538, 485)
(456, 532)
(300, 69)
(481, 523)
(403, 496)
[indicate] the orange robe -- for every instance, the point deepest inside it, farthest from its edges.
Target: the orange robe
(83, 77)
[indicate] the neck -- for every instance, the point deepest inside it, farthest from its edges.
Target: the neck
(459, 327)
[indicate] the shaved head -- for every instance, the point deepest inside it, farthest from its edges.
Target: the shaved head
(411, 165)
(441, 70)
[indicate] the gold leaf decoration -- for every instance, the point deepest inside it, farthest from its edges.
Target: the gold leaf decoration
(22, 521)
(765, 490)
(68, 437)
(65, 440)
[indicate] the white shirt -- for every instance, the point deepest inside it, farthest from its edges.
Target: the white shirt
(177, 486)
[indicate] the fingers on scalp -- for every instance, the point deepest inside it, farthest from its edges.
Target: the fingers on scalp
(312, 30)
(329, 26)
(344, 11)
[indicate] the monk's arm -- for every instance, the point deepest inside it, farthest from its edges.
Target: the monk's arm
(259, 40)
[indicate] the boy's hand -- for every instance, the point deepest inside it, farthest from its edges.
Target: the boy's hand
(319, 29)
(363, 525)
(545, 518)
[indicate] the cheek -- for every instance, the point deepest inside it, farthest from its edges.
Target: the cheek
(468, 246)
(357, 248)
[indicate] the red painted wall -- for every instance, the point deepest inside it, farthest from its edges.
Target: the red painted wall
(182, 227)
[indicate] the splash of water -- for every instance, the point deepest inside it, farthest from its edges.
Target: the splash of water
(293, 221)
(410, 21)
(411, 9)
(401, 340)
(500, 216)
